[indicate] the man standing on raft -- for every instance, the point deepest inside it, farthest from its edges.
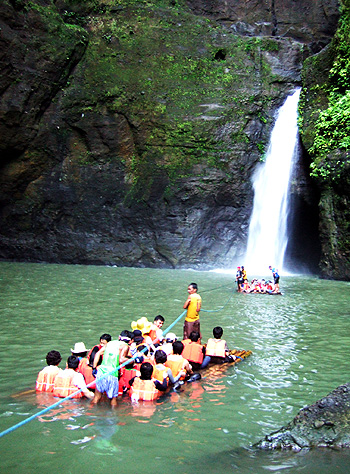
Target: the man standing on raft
(193, 305)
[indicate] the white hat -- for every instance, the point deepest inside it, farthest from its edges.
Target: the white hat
(170, 336)
(79, 347)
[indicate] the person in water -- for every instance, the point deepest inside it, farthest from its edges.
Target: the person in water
(239, 279)
(144, 387)
(193, 305)
(216, 350)
(69, 381)
(114, 354)
(46, 377)
(276, 279)
(84, 368)
(244, 273)
(95, 355)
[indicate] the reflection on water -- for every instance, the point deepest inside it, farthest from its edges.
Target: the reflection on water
(300, 343)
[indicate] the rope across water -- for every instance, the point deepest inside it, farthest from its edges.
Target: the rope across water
(62, 400)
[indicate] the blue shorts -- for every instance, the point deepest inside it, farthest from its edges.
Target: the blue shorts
(108, 384)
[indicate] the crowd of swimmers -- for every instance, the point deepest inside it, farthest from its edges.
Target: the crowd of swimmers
(151, 362)
(257, 285)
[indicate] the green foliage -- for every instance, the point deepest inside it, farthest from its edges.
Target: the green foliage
(175, 78)
(332, 127)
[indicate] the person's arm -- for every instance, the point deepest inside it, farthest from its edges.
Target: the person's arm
(199, 304)
(123, 355)
(79, 382)
(188, 368)
(173, 379)
(97, 357)
(161, 386)
(187, 302)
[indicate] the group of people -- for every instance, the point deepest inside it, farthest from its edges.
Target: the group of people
(143, 362)
(257, 285)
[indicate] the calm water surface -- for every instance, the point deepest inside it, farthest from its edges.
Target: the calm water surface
(300, 343)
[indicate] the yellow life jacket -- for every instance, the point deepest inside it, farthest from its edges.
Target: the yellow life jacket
(175, 363)
(144, 390)
(158, 373)
(215, 347)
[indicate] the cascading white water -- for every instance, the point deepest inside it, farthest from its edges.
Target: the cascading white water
(267, 237)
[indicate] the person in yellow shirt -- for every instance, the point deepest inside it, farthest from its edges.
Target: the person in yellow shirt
(193, 305)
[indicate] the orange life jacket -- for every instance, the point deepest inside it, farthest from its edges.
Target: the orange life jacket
(153, 335)
(63, 386)
(85, 369)
(46, 378)
(192, 351)
(158, 373)
(175, 364)
(144, 389)
(216, 348)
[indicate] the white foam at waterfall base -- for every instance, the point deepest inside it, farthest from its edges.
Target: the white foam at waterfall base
(268, 233)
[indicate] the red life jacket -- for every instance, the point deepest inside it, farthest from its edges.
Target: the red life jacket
(125, 376)
(85, 369)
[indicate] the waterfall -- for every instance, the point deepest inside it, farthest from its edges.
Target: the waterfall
(267, 236)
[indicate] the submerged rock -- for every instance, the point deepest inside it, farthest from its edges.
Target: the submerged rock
(324, 424)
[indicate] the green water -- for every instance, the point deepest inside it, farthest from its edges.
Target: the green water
(300, 343)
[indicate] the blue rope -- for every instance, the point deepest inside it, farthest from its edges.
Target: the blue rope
(220, 309)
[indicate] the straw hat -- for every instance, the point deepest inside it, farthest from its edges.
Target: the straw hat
(79, 347)
(142, 325)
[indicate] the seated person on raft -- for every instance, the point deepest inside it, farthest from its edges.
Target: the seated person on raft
(167, 345)
(144, 387)
(193, 350)
(69, 381)
(46, 377)
(156, 333)
(177, 363)
(216, 350)
(161, 371)
(136, 340)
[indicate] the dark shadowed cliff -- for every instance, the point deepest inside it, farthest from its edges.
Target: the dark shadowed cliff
(130, 129)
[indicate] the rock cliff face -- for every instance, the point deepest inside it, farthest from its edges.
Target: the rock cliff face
(309, 21)
(130, 131)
